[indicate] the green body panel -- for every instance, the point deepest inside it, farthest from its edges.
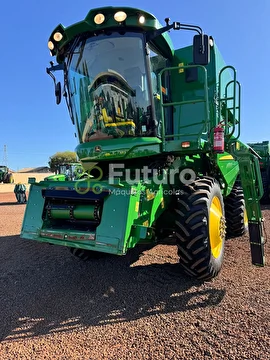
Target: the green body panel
(192, 118)
(56, 177)
(126, 148)
(253, 191)
(117, 231)
(229, 168)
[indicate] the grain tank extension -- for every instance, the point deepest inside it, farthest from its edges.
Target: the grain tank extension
(159, 136)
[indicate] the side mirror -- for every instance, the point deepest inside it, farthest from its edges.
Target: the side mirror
(201, 50)
(58, 92)
(57, 86)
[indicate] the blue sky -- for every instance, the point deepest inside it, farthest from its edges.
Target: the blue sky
(33, 127)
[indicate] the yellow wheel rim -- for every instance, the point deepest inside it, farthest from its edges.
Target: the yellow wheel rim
(245, 219)
(216, 227)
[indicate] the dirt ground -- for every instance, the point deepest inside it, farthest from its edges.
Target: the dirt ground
(56, 307)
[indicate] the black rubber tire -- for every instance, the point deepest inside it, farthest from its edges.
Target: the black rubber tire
(85, 255)
(8, 179)
(266, 188)
(235, 212)
(192, 228)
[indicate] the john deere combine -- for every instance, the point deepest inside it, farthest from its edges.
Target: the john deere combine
(158, 132)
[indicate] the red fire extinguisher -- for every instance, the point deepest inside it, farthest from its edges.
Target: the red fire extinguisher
(218, 145)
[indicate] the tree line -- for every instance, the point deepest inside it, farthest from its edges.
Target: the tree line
(61, 158)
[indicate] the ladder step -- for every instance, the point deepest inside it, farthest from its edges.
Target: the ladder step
(256, 244)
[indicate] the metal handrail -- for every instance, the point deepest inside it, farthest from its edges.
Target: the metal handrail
(163, 105)
(226, 98)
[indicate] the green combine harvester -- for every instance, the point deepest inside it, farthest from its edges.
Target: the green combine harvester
(6, 176)
(65, 172)
(263, 150)
(158, 131)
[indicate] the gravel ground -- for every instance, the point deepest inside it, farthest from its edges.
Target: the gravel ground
(56, 307)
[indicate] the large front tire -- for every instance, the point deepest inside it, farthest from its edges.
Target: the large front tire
(201, 228)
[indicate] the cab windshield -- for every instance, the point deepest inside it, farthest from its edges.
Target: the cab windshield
(108, 88)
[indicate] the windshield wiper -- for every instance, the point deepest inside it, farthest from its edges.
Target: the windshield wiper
(81, 53)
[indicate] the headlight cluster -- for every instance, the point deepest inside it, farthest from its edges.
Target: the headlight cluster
(119, 16)
(57, 36)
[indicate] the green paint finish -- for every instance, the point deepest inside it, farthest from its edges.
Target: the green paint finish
(127, 148)
(194, 98)
(251, 179)
(253, 191)
(80, 212)
(32, 222)
(153, 202)
(229, 168)
(58, 177)
(116, 223)
(194, 87)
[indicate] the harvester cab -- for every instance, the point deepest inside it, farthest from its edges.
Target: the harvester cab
(159, 132)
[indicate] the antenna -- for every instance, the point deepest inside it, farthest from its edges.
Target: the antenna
(5, 160)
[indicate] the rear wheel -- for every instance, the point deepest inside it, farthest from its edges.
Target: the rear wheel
(236, 214)
(201, 228)
(8, 179)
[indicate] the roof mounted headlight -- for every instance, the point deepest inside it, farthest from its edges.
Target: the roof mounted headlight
(57, 36)
(141, 19)
(120, 16)
(50, 45)
(99, 19)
